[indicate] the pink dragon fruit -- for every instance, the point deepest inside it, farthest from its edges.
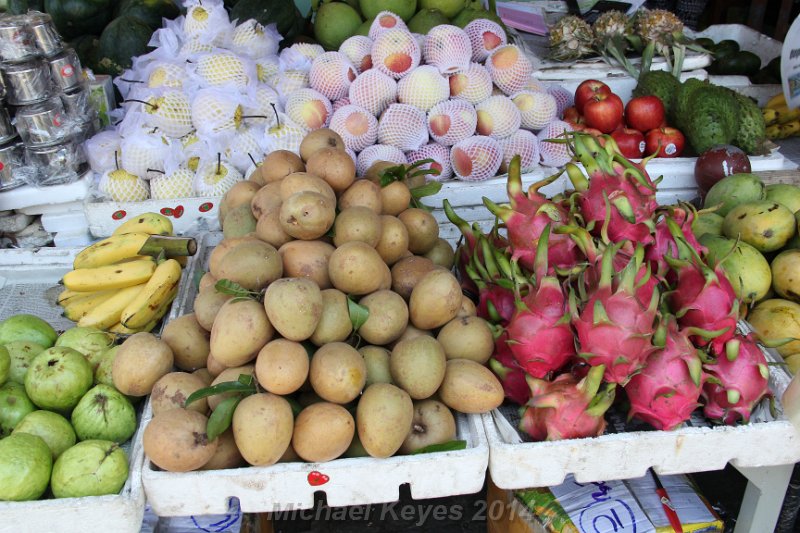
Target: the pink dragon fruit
(566, 408)
(666, 392)
(614, 328)
(539, 334)
(511, 375)
(736, 381)
(526, 218)
(672, 220)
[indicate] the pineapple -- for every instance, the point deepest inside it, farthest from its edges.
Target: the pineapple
(178, 184)
(610, 25)
(571, 38)
(122, 186)
(659, 26)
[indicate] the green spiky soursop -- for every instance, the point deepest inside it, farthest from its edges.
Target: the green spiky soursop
(751, 134)
(661, 84)
(680, 106)
(711, 117)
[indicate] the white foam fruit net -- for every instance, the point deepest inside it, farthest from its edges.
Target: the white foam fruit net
(535, 85)
(509, 68)
(395, 52)
(245, 147)
(423, 87)
(287, 136)
(564, 98)
(192, 47)
(484, 35)
(447, 48)
(498, 117)
(260, 99)
(536, 109)
(474, 85)
(177, 184)
(215, 111)
(331, 74)
(124, 187)
(339, 103)
(403, 126)
(524, 144)
(143, 153)
(352, 155)
(357, 126)
(358, 50)
(103, 151)
(267, 69)
(215, 178)
(299, 56)
(385, 20)
(452, 121)
(554, 154)
(165, 74)
(378, 152)
(476, 158)
(309, 109)
(290, 81)
(222, 68)
(254, 40)
(204, 20)
(441, 161)
(374, 91)
(170, 112)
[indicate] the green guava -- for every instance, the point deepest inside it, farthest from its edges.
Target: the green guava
(426, 19)
(54, 429)
(90, 468)
(104, 413)
(335, 22)
(449, 8)
(91, 342)
(405, 9)
(14, 405)
(25, 327)
(364, 28)
(102, 373)
(25, 466)
(21, 353)
(5, 364)
(58, 378)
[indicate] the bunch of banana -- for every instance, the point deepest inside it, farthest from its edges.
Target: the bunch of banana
(126, 283)
(781, 121)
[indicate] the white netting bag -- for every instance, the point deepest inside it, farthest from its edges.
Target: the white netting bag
(378, 152)
(207, 22)
(176, 184)
(103, 151)
(484, 35)
(358, 50)
(168, 39)
(423, 87)
(374, 91)
(191, 48)
(169, 111)
(224, 68)
(122, 186)
(447, 48)
(331, 74)
(216, 110)
(523, 143)
(420, 38)
(352, 155)
(299, 56)
(267, 69)
(215, 178)
(536, 109)
(254, 40)
(385, 20)
(441, 161)
(476, 158)
(403, 126)
(452, 121)
(535, 86)
(498, 117)
(245, 147)
(509, 68)
(554, 154)
(564, 98)
(166, 74)
(340, 103)
(357, 127)
(309, 109)
(259, 102)
(395, 52)
(286, 136)
(289, 81)
(143, 153)
(474, 85)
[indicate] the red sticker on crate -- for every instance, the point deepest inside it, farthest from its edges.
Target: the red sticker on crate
(166, 211)
(178, 212)
(315, 478)
(119, 215)
(205, 207)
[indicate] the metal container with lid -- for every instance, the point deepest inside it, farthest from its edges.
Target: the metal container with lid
(7, 131)
(76, 102)
(56, 164)
(43, 123)
(16, 40)
(10, 159)
(27, 83)
(65, 69)
(45, 36)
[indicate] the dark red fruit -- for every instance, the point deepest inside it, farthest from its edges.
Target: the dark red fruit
(718, 162)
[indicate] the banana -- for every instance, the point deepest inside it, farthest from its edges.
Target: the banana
(110, 276)
(79, 306)
(150, 223)
(787, 115)
(66, 296)
(145, 306)
(111, 250)
(791, 128)
(119, 329)
(777, 100)
(770, 116)
(773, 131)
(108, 313)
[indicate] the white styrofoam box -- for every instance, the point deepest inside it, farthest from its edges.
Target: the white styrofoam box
(65, 222)
(80, 238)
(189, 215)
(42, 209)
(623, 86)
(28, 195)
(749, 39)
(28, 284)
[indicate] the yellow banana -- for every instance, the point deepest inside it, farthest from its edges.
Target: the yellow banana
(66, 296)
(787, 115)
(108, 313)
(79, 306)
(791, 128)
(150, 223)
(773, 131)
(110, 276)
(770, 116)
(146, 305)
(777, 100)
(119, 329)
(111, 250)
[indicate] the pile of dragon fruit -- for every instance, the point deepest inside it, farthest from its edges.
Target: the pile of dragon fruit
(601, 296)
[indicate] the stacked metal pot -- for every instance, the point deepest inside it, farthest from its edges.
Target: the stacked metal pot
(47, 113)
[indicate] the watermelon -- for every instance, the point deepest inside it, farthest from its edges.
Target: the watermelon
(123, 39)
(74, 18)
(149, 11)
(20, 7)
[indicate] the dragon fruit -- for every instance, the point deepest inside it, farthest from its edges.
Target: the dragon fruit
(539, 334)
(736, 381)
(666, 392)
(614, 328)
(566, 408)
(672, 220)
(508, 371)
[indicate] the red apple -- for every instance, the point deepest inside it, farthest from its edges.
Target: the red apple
(718, 162)
(631, 142)
(571, 115)
(604, 112)
(665, 142)
(586, 90)
(645, 113)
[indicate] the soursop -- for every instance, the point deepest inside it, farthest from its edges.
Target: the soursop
(751, 134)
(658, 83)
(711, 118)
(680, 106)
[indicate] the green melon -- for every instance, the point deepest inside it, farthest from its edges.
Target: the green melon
(123, 39)
(73, 18)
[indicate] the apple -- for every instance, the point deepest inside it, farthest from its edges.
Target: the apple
(571, 115)
(630, 142)
(645, 113)
(718, 162)
(665, 142)
(604, 112)
(586, 90)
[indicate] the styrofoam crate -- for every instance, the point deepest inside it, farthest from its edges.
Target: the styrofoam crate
(749, 39)
(29, 284)
(65, 221)
(43, 209)
(188, 215)
(28, 195)
(76, 238)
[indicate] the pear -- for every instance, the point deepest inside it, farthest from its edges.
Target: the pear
(122, 186)
(169, 112)
(215, 178)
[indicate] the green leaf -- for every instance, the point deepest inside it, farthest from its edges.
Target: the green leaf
(247, 379)
(450, 446)
(219, 388)
(295, 405)
(226, 286)
(358, 313)
(220, 419)
(429, 189)
(198, 275)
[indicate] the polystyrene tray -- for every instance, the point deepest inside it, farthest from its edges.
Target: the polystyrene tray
(28, 284)
(287, 486)
(188, 215)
